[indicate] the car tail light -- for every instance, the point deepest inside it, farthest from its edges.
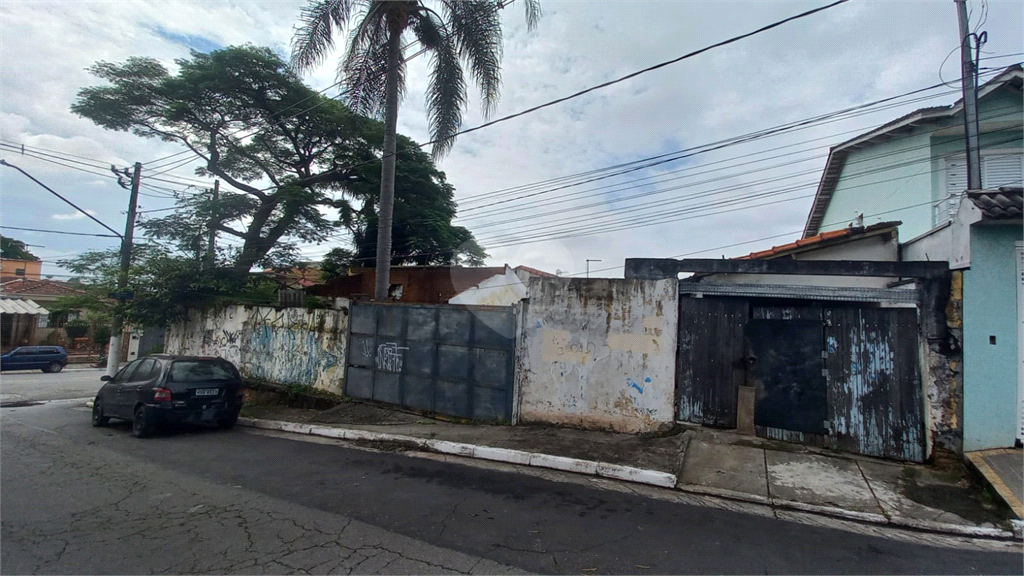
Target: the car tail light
(162, 395)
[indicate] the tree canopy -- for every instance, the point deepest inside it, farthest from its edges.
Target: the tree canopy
(298, 166)
(15, 249)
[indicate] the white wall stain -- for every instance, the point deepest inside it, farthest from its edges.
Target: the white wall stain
(600, 353)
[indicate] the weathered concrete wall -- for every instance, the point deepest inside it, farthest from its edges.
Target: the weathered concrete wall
(599, 353)
(943, 378)
(287, 346)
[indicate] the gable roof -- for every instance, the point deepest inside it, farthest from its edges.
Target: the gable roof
(1006, 203)
(30, 287)
(1013, 77)
(534, 272)
(822, 240)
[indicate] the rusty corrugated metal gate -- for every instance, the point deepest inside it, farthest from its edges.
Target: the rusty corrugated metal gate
(842, 375)
(455, 360)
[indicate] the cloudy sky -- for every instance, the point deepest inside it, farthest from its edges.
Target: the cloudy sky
(729, 201)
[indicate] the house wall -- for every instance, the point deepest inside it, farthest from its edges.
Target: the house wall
(33, 268)
(599, 353)
(286, 346)
(499, 290)
(935, 246)
(903, 176)
(882, 177)
(882, 247)
(989, 308)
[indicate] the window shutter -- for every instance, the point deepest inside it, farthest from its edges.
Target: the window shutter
(1001, 170)
(956, 175)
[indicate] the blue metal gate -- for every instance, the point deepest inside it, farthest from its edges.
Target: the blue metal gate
(455, 360)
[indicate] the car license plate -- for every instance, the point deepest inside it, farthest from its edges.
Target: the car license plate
(207, 391)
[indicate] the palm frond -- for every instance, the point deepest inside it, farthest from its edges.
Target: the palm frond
(365, 67)
(446, 91)
(314, 37)
(475, 29)
(532, 13)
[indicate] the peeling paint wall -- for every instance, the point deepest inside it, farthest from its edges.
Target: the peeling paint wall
(287, 345)
(599, 353)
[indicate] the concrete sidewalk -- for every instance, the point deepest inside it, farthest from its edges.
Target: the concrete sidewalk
(692, 459)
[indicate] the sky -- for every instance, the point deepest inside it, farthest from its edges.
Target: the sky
(726, 202)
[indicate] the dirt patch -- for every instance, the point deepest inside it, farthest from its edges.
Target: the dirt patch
(19, 404)
(278, 412)
(359, 413)
(654, 453)
(955, 490)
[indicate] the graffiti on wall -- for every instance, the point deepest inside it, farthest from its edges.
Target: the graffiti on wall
(389, 357)
(287, 346)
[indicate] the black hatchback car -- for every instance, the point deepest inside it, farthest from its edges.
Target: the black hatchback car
(162, 389)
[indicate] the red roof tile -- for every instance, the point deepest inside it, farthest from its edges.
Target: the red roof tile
(831, 237)
(31, 287)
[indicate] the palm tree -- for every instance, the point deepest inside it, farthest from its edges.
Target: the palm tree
(373, 71)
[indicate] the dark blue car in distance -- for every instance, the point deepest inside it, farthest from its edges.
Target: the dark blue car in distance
(45, 358)
(165, 389)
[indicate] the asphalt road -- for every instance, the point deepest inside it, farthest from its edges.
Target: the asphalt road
(33, 385)
(77, 499)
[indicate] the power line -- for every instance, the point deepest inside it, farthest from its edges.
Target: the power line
(66, 201)
(602, 85)
(97, 162)
(59, 232)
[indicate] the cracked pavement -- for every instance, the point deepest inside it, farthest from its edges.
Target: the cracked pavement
(78, 499)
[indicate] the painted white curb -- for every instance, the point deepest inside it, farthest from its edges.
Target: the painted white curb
(627, 473)
(534, 459)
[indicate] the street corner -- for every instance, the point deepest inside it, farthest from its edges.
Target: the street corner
(925, 493)
(819, 480)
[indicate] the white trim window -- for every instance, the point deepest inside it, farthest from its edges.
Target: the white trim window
(998, 168)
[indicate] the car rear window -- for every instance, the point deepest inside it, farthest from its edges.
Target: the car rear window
(201, 370)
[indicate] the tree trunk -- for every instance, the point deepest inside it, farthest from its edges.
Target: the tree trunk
(387, 170)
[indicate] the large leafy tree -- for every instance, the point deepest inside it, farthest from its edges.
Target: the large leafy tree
(423, 210)
(280, 147)
(164, 286)
(15, 249)
(464, 32)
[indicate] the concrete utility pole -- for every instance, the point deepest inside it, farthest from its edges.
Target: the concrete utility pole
(117, 325)
(968, 71)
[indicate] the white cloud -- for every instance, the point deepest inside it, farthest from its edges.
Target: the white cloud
(848, 55)
(72, 215)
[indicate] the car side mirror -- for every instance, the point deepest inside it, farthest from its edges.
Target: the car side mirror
(106, 378)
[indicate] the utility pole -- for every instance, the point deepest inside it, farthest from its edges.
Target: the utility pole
(589, 260)
(212, 243)
(117, 325)
(968, 77)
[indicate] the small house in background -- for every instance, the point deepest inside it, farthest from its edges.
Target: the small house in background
(419, 284)
(14, 269)
(500, 290)
(40, 293)
(467, 285)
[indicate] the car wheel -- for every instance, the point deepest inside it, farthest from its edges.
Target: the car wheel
(141, 426)
(98, 419)
(227, 423)
(54, 367)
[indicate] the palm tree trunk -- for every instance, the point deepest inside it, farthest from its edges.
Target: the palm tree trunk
(387, 170)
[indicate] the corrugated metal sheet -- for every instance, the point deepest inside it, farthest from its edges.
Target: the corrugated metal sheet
(834, 293)
(19, 306)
